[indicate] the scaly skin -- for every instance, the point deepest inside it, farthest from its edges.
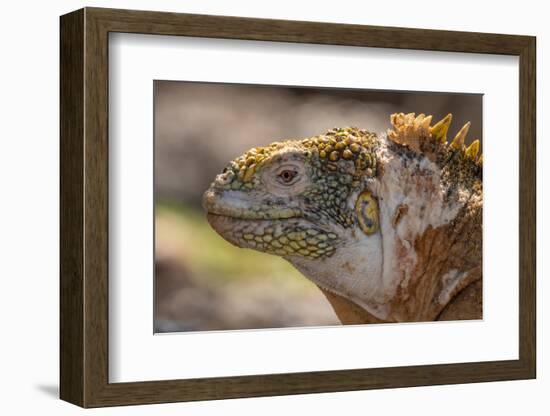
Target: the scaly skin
(388, 227)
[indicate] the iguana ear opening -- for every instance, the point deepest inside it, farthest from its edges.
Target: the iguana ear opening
(366, 209)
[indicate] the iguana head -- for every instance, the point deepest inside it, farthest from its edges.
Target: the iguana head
(296, 198)
(347, 206)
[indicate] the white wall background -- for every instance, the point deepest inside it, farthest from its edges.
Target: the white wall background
(29, 84)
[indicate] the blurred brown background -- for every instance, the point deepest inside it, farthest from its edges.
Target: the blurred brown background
(201, 281)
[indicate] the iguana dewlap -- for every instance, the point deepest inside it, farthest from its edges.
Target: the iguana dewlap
(389, 226)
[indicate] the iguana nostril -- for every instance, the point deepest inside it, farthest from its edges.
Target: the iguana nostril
(224, 178)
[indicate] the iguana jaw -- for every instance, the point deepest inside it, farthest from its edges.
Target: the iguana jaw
(274, 226)
(291, 237)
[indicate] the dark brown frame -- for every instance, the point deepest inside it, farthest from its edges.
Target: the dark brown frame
(84, 207)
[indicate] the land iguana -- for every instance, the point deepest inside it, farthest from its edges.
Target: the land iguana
(388, 226)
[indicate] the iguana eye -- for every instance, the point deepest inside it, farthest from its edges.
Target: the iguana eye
(286, 176)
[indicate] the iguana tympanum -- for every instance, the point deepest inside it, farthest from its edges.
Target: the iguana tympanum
(388, 226)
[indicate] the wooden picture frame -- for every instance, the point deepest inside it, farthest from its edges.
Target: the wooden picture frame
(84, 207)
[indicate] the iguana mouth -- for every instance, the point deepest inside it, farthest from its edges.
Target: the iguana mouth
(225, 224)
(229, 205)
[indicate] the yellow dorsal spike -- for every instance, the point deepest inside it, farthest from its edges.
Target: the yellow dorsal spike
(473, 150)
(439, 130)
(480, 160)
(419, 118)
(426, 123)
(458, 141)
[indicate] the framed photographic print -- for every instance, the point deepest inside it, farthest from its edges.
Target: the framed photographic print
(255, 207)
